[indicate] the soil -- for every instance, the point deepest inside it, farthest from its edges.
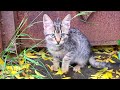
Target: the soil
(85, 72)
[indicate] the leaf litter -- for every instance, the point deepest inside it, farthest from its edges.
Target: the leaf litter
(23, 70)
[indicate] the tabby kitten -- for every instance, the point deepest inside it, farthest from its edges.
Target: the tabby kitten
(68, 45)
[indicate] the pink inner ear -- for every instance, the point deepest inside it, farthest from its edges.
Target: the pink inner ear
(46, 25)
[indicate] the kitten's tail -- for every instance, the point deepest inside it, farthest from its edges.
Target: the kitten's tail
(97, 64)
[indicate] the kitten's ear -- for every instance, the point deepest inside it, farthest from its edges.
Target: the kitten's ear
(47, 22)
(66, 21)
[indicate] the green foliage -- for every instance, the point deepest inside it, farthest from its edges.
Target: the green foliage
(118, 42)
(13, 61)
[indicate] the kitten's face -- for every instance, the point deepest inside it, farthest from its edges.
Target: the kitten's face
(56, 33)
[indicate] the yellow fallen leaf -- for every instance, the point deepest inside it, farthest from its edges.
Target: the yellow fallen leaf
(110, 60)
(99, 60)
(93, 78)
(13, 72)
(98, 57)
(26, 66)
(31, 55)
(117, 72)
(31, 77)
(40, 52)
(59, 72)
(28, 70)
(106, 61)
(99, 74)
(21, 61)
(18, 76)
(37, 73)
(66, 78)
(96, 76)
(108, 75)
(115, 56)
(110, 70)
(11, 68)
(1, 61)
(26, 78)
(103, 70)
(45, 56)
(49, 67)
(17, 68)
(102, 60)
(94, 49)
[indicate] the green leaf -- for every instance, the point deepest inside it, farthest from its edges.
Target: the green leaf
(83, 13)
(31, 60)
(118, 42)
(119, 55)
(38, 77)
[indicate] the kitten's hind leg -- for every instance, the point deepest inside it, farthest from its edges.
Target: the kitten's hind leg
(77, 67)
(55, 65)
(80, 64)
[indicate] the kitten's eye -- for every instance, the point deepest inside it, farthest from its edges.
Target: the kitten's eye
(53, 35)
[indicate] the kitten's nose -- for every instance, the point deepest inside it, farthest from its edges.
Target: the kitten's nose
(58, 42)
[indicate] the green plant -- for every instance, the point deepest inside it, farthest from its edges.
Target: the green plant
(5, 55)
(82, 13)
(118, 42)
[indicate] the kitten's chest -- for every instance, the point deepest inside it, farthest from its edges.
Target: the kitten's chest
(58, 53)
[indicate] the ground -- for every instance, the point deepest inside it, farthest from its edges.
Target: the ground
(86, 72)
(103, 53)
(36, 64)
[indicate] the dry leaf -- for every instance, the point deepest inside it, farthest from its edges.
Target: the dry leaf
(31, 77)
(13, 72)
(99, 74)
(110, 70)
(110, 60)
(40, 52)
(1, 61)
(98, 57)
(59, 72)
(103, 70)
(99, 60)
(25, 66)
(45, 56)
(117, 72)
(21, 61)
(107, 75)
(13, 68)
(66, 78)
(49, 67)
(31, 55)
(115, 56)
(18, 76)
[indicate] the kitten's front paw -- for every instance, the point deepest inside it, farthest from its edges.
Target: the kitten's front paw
(76, 68)
(54, 68)
(65, 70)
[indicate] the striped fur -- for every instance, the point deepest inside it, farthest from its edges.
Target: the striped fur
(68, 45)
